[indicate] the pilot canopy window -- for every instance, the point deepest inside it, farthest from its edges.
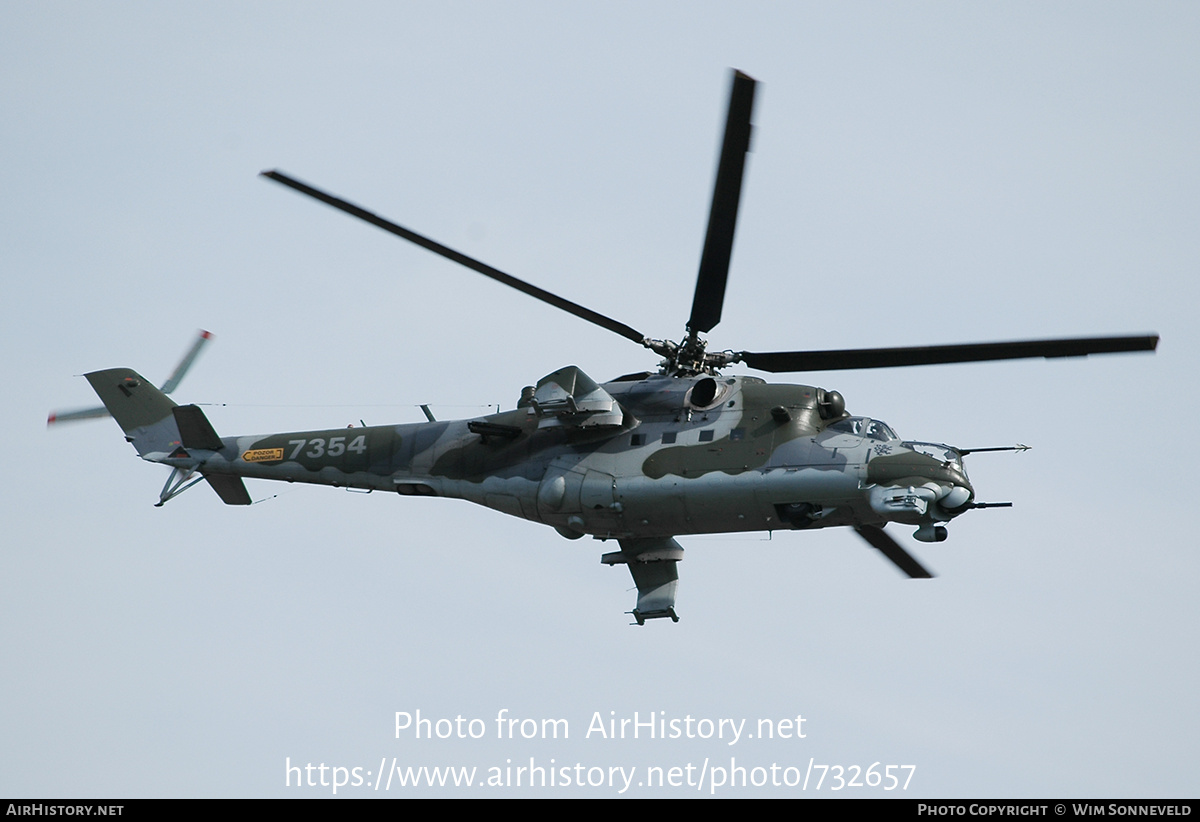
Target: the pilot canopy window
(865, 427)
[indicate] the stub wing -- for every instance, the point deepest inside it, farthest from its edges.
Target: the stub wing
(653, 563)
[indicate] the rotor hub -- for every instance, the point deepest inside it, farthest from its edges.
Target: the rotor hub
(689, 357)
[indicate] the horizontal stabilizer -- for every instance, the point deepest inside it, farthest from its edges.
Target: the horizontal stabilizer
(229, 488)
(195, 431)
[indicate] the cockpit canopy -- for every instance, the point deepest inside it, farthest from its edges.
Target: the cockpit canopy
(865, 427)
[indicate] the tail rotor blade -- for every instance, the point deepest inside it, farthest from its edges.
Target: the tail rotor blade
(190, 357)
(73, 416)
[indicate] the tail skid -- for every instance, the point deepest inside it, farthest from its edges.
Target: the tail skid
(229, 488)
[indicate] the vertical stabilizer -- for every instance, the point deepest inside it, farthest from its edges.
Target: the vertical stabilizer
(162, 431)
(144, 413)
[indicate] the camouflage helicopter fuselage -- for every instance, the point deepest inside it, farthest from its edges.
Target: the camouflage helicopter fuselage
(639, 460)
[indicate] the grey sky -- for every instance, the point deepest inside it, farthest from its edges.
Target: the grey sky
(922, 173)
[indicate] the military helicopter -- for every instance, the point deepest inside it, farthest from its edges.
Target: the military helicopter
(641, 459)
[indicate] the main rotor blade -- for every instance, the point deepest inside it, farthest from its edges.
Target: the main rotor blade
(892, 550)
(722, 216)
(462, 259)
(778, 361)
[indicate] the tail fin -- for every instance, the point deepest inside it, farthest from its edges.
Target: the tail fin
(162, 431)
(167, 387)
(144, 413)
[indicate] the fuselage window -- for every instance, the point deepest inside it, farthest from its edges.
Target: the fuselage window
(877, 430)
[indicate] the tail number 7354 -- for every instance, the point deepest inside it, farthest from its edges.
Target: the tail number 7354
(332, 447)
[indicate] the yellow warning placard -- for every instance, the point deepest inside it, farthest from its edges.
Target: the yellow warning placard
(263, 455)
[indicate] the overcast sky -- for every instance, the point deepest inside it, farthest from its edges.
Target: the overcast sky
(922, 173)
